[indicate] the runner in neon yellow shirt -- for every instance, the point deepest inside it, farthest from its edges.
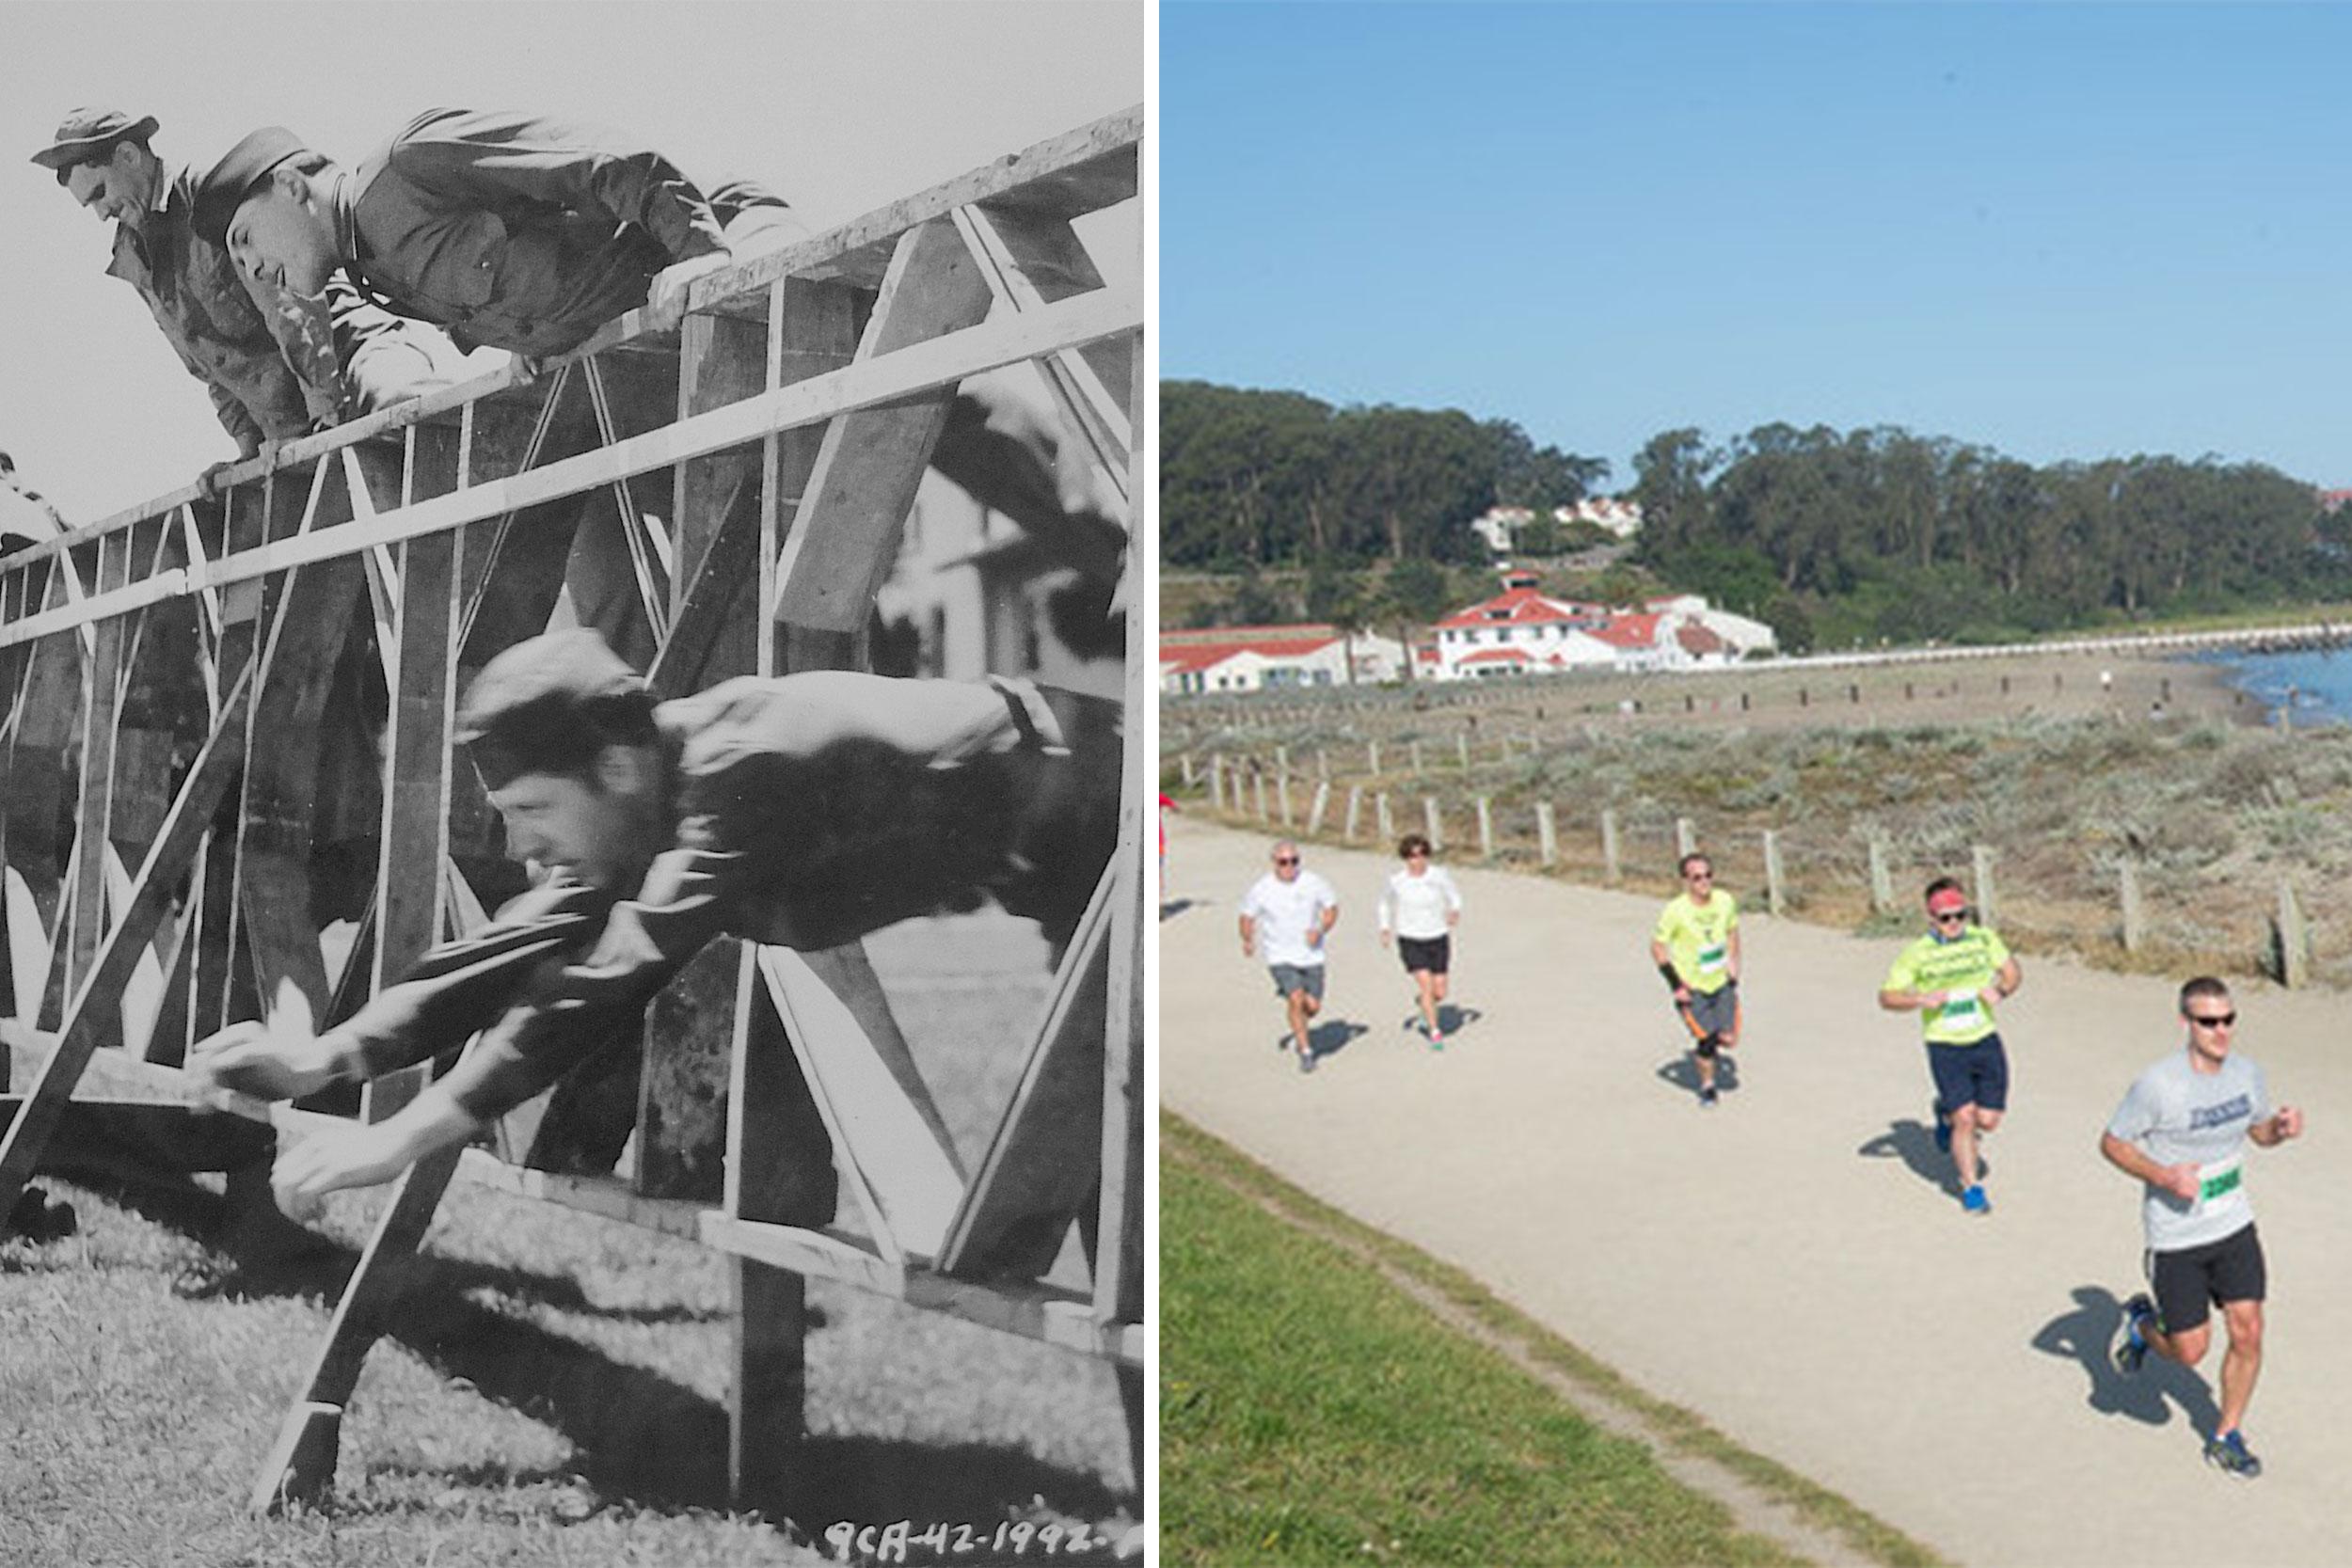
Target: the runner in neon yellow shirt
(1951, 977)
(1696, 948)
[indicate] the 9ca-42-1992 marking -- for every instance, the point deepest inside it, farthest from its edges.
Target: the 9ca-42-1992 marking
(898, 1542)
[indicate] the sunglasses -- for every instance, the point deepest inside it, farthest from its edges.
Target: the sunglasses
(1286, 860)
(1950, 917)
(1699, 877)
(2216, 1021)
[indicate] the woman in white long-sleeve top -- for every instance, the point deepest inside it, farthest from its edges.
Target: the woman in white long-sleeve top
(1422, 905)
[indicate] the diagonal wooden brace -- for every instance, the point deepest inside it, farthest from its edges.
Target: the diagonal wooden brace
(97, 1005)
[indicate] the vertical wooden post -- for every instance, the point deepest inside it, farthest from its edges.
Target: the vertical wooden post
(1486, 829)
(1686, 837)
(2135, 914)
(1322, 804)
(1355, 812)
(1981, 865)
(1775, 894)
(1323, 763)
(1282, 797)
(1414, 750)
(2295, 938)
(1436, 826)
(1258, 781)
(1461, 747)
(1547, 835)
(1217, 782)
(1282, 766)
(1881, 883)
(1185, 763)
(1612, 870)
(1371, 758)
(1388, 822)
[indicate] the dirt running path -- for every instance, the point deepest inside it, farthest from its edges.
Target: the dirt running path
(1791, 1265)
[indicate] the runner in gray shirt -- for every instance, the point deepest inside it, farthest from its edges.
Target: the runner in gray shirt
(2182, 1132)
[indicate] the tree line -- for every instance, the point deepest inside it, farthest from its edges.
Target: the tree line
(1833, 538)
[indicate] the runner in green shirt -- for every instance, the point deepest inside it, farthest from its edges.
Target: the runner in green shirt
(1695, 946)
(1951, 977)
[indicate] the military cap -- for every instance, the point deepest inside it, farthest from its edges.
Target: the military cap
(549, 705)
(90, 134)
(224, 185)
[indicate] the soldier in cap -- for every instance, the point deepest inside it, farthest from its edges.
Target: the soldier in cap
(277, 363)
(529, 233)
(805, 811)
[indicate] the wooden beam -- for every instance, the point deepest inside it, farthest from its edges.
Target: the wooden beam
(909, 373)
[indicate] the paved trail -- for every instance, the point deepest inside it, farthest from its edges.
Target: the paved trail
(1792, 1264)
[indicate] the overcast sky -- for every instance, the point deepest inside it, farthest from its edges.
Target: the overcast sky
(839, 107)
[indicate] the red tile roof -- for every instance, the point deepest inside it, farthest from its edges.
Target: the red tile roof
(1520, 606)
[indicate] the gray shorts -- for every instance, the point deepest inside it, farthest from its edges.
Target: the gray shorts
(1290, 977)
(1712, 1012)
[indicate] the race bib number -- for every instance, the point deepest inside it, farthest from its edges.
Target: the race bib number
(1712, 959)
(2221, 1181)
(1962, 1009)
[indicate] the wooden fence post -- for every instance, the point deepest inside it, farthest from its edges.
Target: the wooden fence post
(1486, 830)
(1775, 896)
(1388, 822)
(2135, 916)
(1547, 835)
(1612, 871)
(1461, 747)
(2295, 938)
(1355, 812)
(1980, 866)
(1283, 796)
(1217, 782)
(1436, 828)
(1184, 762)
(1314, 812)
(1686, 837)
(1881, 883)
(1413, 749)
(1371, 758)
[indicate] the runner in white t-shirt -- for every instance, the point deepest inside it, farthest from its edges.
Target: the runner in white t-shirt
(1285, 918)
(1421, 907)
(2182, 1132)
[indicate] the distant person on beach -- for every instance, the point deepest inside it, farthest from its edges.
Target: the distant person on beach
(1421, 906)
(2181, 1131)
(1952, 977)
(1285, 917)
(1695, 945)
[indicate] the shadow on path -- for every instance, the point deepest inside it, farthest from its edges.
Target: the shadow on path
(1332, 1036)
(1171, 907)
(2084, 1335)
(1682, 1072)
(1912, 1142)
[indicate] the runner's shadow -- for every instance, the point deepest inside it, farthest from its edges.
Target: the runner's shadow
(1914, 1143)
(1171, 907)
(1683, 1073)
(1454, 1019)
(2086, 1335)
(1330, 1038)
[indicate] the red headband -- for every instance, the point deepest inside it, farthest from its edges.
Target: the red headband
(1949, 901)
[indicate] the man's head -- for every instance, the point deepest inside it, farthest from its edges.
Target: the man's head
(562, 734)
(1698, 876)
(1413, 846)
(1286, 861)
(1947, 906)
(266, 201)
(103, 159)
(2212, 1017)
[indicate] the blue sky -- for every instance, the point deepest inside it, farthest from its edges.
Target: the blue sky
(2063, 231)
(840, 105)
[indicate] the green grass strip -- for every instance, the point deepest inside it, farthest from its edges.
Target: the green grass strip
(1313, 1412)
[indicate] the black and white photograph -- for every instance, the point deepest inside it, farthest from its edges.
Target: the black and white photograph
(572, 591)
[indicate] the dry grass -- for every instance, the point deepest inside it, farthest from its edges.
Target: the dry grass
(555, 1390)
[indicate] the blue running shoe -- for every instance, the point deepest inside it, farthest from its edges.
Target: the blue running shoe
(1707, 1098)
(1306, 1061)
(1975, 1202)
(2131, 1345)
(1943, 1129)
(2227, 1451)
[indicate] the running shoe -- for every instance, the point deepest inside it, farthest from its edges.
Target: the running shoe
(1975, 1202)
(1306, 1061)
(2227, 1451)
(1437, 1042)
(1943, 1129)
(1707, 1098)
(2131, 1346)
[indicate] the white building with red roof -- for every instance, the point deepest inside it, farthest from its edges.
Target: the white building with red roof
(1524, 632)
(1260, 658)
